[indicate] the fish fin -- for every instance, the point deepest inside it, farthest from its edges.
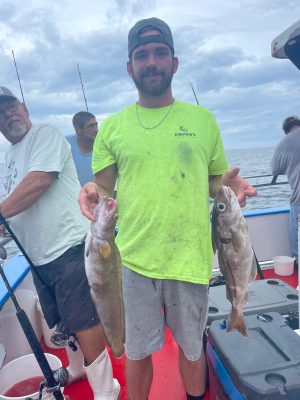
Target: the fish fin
(214, 236)
(88, 243)
(253, 272)
(223, 263)
(105, 249)
(228, 294)
(236, 322)
(236, 240)
(214, 246)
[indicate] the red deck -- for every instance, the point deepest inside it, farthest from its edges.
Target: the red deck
(166, 383)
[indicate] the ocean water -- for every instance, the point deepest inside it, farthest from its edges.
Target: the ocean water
(256, 162)
(252, 162)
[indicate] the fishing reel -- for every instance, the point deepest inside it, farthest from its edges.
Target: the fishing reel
(62, 337)
(61, 377)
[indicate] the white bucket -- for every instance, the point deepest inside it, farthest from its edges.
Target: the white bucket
(47, 332)
(283, 265)
(23, 368)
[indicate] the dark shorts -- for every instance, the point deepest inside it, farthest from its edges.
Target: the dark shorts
(64, 292)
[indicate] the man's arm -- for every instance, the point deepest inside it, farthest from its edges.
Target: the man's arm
(91, 192)
(215, 182)
(278, 164)
(106, 180)
(29, 190)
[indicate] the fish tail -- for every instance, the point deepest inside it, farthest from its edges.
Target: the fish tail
(237, 322)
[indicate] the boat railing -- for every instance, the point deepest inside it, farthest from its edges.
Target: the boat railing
(272, 183)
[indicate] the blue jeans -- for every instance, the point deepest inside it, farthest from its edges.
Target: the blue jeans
(294, 212)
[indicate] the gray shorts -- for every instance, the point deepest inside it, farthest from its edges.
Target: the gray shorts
(64, 292)
(152, 304)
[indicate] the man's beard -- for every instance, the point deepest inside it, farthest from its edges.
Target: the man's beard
(157, 89)
(18, 130)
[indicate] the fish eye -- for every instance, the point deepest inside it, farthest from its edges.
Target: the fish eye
(221, 207)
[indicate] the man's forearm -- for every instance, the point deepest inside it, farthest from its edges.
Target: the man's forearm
(106, 180)
(29, 190)
(215, 182)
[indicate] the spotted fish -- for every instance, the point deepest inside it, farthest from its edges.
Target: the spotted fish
(236, 257)
(104, 270)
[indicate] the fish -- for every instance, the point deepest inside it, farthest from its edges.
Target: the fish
(237, 262)
(103, 267)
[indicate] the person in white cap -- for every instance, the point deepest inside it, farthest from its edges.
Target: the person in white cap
(41, 204)
(286, 161)
(168, 156)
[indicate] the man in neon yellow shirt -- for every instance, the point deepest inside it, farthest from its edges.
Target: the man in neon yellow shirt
(169, 158)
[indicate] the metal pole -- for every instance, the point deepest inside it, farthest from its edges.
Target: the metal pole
(257, 176)
(270, 184)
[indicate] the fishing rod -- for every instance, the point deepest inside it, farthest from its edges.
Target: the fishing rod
(54, 380)
(18, 76)
(79, 73)
(194, 93)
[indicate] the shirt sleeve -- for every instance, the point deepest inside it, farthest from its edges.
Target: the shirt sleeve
(49, 150)
(103, 155)
(278, 163)
(218, 164)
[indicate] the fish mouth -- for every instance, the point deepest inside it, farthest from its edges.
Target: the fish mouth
(226, 190)
(109, 204)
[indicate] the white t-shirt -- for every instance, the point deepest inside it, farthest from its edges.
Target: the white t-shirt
(54, 223)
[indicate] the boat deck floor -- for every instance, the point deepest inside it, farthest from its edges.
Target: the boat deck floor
(166, 382)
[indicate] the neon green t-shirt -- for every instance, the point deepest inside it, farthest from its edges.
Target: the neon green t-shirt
(163, 193)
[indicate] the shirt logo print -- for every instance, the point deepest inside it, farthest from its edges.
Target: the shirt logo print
(184, 133)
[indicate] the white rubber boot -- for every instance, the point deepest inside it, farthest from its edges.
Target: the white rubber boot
(101, 380)
(75, 368)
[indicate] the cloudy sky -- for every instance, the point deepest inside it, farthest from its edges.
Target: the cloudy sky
(224, 49)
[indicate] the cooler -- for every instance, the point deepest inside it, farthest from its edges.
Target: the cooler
(263, 366)
(264, 296)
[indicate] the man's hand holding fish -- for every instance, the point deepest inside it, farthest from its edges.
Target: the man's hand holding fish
(232, 179)
(240, 186)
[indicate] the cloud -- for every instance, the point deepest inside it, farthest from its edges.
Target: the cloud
(223, 48)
